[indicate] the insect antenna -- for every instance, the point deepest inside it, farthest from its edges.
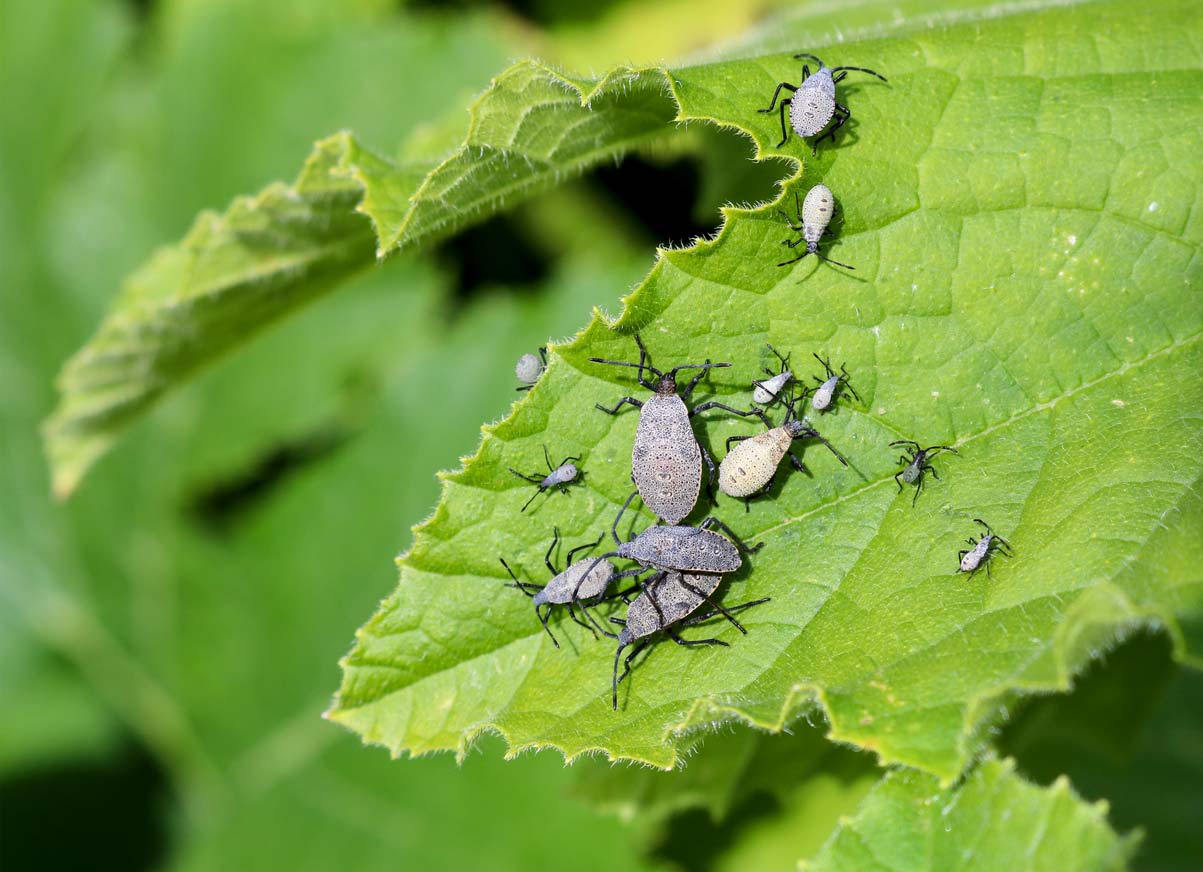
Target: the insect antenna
(859, 70)
(803, 54)
(833, 262)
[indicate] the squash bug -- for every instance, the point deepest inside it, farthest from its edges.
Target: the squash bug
(667, 602)
(582, 582)
(983, 549)
(528, 369)
(765, 391)
(916, 464)
(749, 467)
(813, 103)
(666, 459)
(558, 476)
(830, 386)
(813, 216)
(679, 548)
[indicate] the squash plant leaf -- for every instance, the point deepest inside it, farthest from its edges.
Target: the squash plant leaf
(1021, 206)
(993, 820)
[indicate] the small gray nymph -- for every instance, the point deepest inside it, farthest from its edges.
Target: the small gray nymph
(813, 104)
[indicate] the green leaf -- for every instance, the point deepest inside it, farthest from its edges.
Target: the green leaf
(1129, 732)
(723, 771)
(1026, 238)
(993, 820)
(236, 272)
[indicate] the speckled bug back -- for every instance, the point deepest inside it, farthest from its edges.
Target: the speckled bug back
(588, 579)
(666, 601)
(817, 209)
(666, 463)
(813, 104)
(752, 462)
(687, 549)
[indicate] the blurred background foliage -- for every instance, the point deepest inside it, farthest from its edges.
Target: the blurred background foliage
(150, 719)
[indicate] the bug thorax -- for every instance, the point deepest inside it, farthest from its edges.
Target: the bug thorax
(667, 385)
(821, 80)
(796, 428)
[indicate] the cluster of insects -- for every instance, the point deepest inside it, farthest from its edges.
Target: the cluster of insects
(679, 567)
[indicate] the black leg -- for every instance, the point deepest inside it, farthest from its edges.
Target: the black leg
(932, 470)
(634, 402)
(918, 487)
(584, 547)
(780, 86)
(697, 619)
(841, 115)
(672, 634)
(718, 608)
(715, 522)
(543, 620)
(711, 474)
(572, 614)
(621, 512)
(743, 413)
(798, 464)
(555, 538)
(898, 482)
(731, 439)
(533, 479)
(627, 664)
(794, 243)
(784, 132)
(797, 228)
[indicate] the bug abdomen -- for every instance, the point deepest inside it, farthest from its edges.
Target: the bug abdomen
(751, 463)
(669, 600)
(810, 110)
(666, 463)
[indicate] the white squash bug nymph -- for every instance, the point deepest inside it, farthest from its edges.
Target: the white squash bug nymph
(813, 105)
(812, 219)
(528, 369)
(830, 385)
(767, 390)
(557, 476)
(983, 549)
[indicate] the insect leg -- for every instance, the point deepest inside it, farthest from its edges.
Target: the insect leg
(798, 464)
(672, 634)
(693, 383)
(555, 539)
(731, 439)
(841, 116)
(743, 413)
(711, 475)
(532, 498)
(899, 482)
(543, 618)
(784, 132)
(634, 402)
(717, 608)
(627, 666)
(533, 479)
(572, 614)
(715, 522)
(697, 619)
(780, 86)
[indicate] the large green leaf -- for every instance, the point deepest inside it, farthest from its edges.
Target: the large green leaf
(1026, 238)
(994, 820)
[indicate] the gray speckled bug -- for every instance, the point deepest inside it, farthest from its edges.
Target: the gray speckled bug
(765, 391)
(813, 216)
(830, 386)
(749, 468)
(666, 459)
(916, 464)
(665, 604)
(528, 369)
(983, 549)
(583, 582)
(813, 103)
(559, 476)
(683, 549)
